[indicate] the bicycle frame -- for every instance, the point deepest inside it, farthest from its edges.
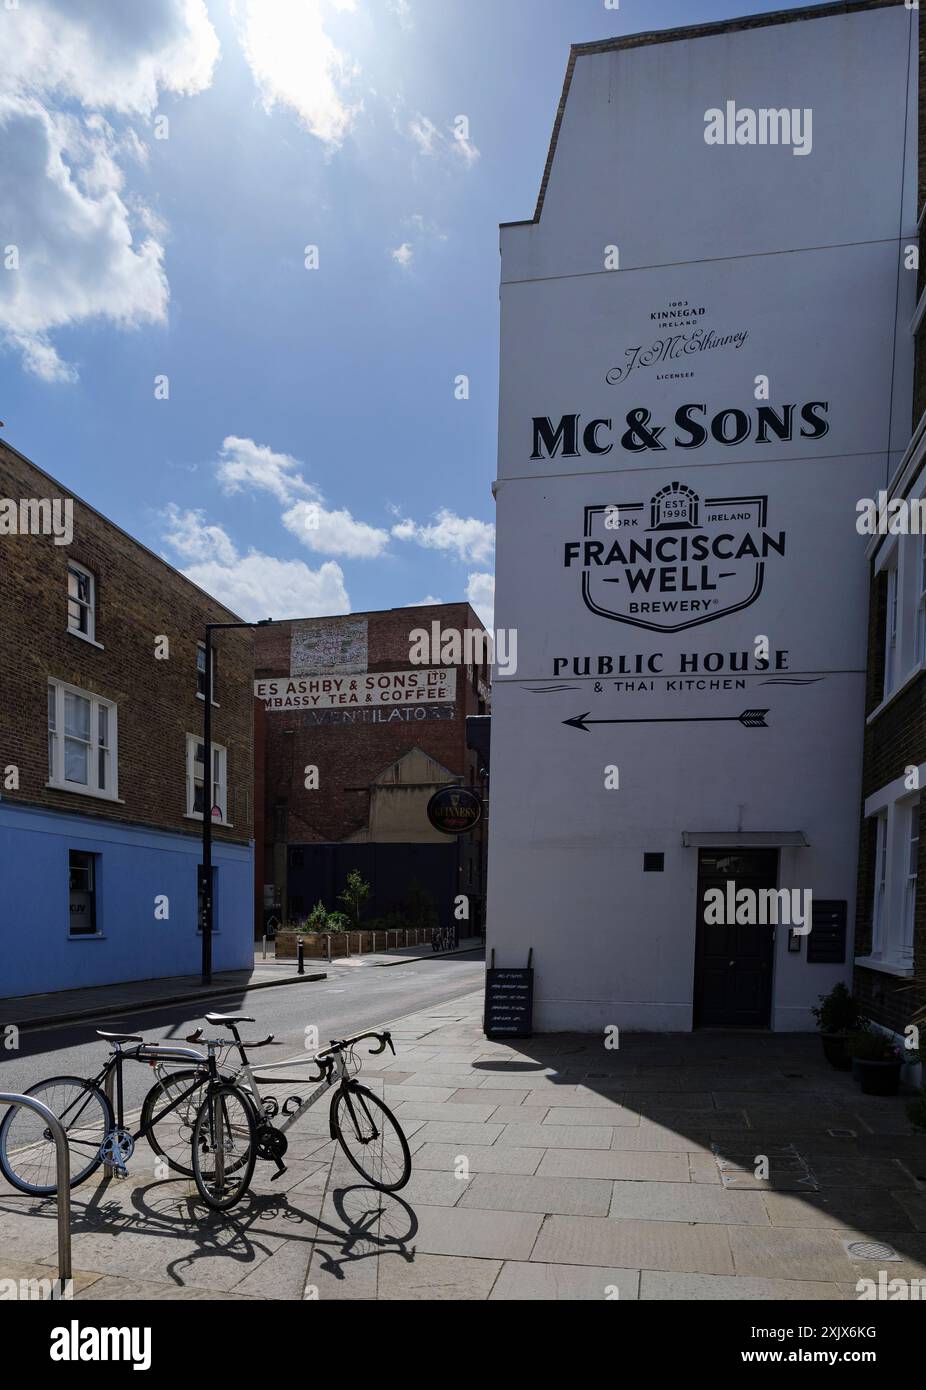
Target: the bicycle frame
(328, 1066)
(245, 1077)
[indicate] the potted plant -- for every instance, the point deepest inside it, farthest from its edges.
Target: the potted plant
(876, 1062)
(837, 1016)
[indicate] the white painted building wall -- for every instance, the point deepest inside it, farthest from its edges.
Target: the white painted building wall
(804, 254)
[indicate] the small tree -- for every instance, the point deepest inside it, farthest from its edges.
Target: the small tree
(317, 919)
(355, 895)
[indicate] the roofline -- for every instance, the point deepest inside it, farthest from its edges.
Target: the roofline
(688, 31)
(380, 612)
(5, 444)
(454, 603)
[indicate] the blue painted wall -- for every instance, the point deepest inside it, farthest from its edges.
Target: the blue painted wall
(134, 866)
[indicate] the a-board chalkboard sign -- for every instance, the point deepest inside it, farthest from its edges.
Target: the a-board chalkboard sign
(509, 1003)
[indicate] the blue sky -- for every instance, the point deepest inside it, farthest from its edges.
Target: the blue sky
(309, 454)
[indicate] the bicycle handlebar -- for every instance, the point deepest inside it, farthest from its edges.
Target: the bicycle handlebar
(338, 1044)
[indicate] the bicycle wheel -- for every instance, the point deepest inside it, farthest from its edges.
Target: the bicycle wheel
(371, 1137)
(171, 1135)
(27, 1149)
(223, 1146)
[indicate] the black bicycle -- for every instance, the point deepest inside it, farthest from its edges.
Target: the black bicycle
(222, 1129)
(366, 1129)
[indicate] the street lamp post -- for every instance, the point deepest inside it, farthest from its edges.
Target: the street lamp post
(206, 866)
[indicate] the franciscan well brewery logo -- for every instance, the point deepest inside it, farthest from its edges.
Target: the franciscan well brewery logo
(675, 561)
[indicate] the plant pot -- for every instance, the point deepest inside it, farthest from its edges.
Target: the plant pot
(877, 1078)
(834, 1050)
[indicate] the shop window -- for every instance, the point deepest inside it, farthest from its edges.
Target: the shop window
(82, 881)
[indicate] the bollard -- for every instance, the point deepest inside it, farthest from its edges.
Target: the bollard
(300, 963)
(328, 940)
(263, 948)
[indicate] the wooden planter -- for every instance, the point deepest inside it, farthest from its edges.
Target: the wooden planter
(315, 945)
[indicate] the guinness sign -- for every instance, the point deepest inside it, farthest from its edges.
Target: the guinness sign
(454, 810)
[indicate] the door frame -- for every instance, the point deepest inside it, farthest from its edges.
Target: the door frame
(698, 952)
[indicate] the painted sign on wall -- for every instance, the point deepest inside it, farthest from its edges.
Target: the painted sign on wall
(369, 689)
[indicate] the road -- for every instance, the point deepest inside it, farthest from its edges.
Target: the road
(351, 999)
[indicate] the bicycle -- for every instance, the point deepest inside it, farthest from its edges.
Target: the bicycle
(366, 1129)
(222, 1134)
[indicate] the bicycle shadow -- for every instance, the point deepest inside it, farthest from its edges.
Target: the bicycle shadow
(341, 1223)
(369, 1224)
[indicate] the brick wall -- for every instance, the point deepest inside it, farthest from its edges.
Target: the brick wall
(350, 756)
(138, 598)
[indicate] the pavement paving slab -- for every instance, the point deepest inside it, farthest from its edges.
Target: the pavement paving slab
(546, 1169)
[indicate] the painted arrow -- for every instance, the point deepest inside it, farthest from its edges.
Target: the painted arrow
(750, 719)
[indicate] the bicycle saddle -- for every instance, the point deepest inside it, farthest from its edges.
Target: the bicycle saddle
(228, 1019)
(119, 1037)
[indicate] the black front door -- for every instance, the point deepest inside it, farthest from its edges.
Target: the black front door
(733, 962)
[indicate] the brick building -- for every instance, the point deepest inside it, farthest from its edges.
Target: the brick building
(101, 776)
(890, 947)
(379, 757)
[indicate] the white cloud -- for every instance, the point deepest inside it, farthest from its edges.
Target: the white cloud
(464, 147)
(425, 602)
(425, 227)
(254, 585)
(403, 255)
(465, 537)
(295, 63)
(87, 248)
(425, 133)
(189, 534)
(402, 11)
(244, 464)
(480, 591)
(105, 55)
(79, 255)
(334, 533)
(431, 140)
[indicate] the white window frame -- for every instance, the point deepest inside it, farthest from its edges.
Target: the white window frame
(920, 578)
(56, 740)
(890, 627)
(880, 895)
(89, 607)
(911, 844)
(896, 809)
(219, 784)
(201, 647)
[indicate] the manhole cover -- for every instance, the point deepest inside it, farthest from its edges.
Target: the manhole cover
(869, 1250)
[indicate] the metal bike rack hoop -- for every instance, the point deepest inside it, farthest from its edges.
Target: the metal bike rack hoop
(63, 1164)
